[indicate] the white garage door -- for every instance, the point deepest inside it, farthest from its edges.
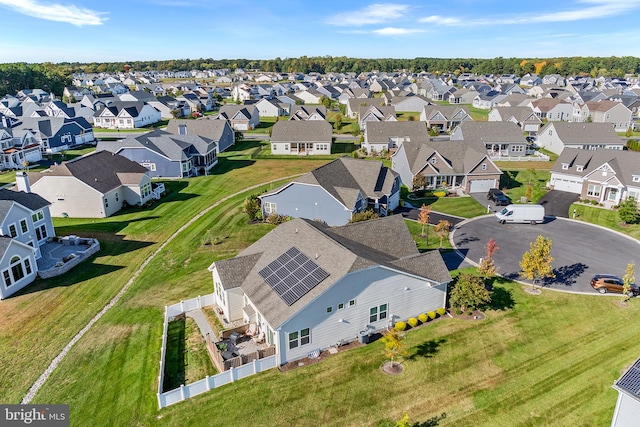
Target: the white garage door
(568, 184)
(481, 185)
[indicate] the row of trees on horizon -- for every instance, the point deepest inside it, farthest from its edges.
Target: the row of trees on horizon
(53, 77)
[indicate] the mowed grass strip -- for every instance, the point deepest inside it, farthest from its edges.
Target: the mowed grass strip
(42, 319)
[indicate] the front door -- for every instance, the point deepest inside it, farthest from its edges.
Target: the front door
(613, 194)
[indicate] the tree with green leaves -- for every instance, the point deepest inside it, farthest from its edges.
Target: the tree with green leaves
(487, 267)
(252, 207)
(627, 280)
(628, 211)
(536, 262)
(442, 229)
(468, 292)
(337, 124)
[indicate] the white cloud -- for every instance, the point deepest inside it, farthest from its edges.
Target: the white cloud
(441, 20)
(56, 12)
(373, 14)
(392, 31)
(581, 10)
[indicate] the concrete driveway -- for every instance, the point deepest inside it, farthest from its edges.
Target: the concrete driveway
(557, 203)
(580, 250)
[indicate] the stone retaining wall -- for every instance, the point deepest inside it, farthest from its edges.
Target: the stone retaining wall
(80, 256)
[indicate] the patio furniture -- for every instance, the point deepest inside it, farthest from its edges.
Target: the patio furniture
(259, 338)
(233, 338)
(252, 330)
(226, 355)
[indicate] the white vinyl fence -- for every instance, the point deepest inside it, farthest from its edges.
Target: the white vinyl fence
(208, 383)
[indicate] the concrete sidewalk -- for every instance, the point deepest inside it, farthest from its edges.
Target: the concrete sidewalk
(203, 324)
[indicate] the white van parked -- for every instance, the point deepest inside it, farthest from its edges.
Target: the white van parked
(532, 214)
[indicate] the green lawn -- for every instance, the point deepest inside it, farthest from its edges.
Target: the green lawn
(430, 233)
(605, 217)
(478, 114)
(516, 183)
(466, 207)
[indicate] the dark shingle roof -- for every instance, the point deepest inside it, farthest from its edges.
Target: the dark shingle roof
(28, 200)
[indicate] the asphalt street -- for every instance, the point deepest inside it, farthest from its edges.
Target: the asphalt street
(580, 250)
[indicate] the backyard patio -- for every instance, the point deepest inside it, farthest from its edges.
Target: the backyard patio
(63, 253)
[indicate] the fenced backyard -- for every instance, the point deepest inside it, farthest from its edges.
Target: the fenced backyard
(240, 366)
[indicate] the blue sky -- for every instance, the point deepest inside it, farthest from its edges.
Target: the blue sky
(91, 31)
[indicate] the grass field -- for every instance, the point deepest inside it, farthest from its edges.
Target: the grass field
(466, 207)
(605, 217)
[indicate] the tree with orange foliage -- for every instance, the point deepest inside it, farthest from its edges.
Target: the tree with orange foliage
(423, 217)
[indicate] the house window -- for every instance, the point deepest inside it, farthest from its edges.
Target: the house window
(329, 309)
(550, 132)
(7, 278)
(13, 231)
(23, 226)
(270, 207)
(565, 166)
(352, 303)
(297, 339)
(593, 190)
(27, 265)
(41, 232)
(145, 190)
(117, 199)
(106, 202)
(377, 313)
(636, 178)
(38, 216)
(340, 306)
(16, 269)
(434, 160)
(579, 168)
(483, 167)
(517, 149)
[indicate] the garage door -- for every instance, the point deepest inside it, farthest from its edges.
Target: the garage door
(481, 185)
(569, 185)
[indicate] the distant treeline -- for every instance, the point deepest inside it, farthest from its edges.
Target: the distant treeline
(53, 77)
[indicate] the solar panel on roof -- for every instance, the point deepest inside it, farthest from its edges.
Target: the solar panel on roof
(292, 275)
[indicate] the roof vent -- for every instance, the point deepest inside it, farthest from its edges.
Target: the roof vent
(317, 255)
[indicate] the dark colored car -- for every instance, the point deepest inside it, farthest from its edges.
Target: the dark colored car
(498, 197)
(530, 139)
(604, 283)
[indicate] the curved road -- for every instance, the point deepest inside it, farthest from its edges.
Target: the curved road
(579, 249)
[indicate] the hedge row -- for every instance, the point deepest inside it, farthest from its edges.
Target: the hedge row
(422, 318)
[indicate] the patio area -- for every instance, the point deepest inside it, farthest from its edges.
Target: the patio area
(237, 348)
(63, 253)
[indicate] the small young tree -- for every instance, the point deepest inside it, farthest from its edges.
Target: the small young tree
(628, 278)
(536, 262)
(468, 292)
(419, 181)
(393, 344)
(487, 267)
(337, 125)
(252, 207)
(423, 217)
(442, 229)
(628, 211)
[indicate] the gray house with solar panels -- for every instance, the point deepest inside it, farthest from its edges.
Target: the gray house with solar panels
(627, 412)
(308, 287)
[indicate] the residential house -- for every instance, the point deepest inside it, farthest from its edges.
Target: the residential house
(524, 117)
(552, 109)
(488, 100)
(454, 165)
(374, 113)
(530, 80)
(308, 112)
(301, 137)
(170, 107)
(605, 176)
(500, 139)
(310, 96)
(55, 134)
(444, 117)
(240, 117)
(350, 93)
(515, 100)
(556, 136)
(96, 185)
(269, 107)
(126, 115)
(25, 225)
(628, 403)
(336, 191)
(605, 111)
(387, 136)
(19, 148)
(354, 104)
(165, 154)
(463, 96)
(415, 103)
(219, 131)
(307, 286)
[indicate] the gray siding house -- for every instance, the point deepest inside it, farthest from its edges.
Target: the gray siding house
(499, 138)
(301, 137)
(557, 136)
(333, 192)
(219, 131)
(628, 403)
(337, 283)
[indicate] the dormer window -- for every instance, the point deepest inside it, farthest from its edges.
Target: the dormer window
(579, 168)
(636, 178)
(565, 166)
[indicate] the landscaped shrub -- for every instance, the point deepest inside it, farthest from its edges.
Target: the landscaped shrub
(432, 315)
(440, 193)
(400, 326)
(413, 322)
(423, 318)
(441, 311)
(594, 202)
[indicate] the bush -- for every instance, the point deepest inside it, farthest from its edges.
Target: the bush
(400, 326)
(423, 318)
(440, 193)
(413, 322)
(441, 311)
(594, 202)
(276, 219)
(432, 315)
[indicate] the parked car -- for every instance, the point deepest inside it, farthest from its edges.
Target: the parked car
(532, 214)
(498, 197)
(604, 283)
